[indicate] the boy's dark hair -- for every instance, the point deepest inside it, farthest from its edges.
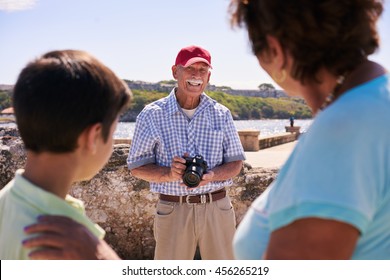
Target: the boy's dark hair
(60, 94)
(334, 34)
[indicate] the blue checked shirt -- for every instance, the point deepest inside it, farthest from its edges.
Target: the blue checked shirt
(163, 131)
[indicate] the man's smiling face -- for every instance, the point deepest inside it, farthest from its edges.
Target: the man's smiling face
(192, 79)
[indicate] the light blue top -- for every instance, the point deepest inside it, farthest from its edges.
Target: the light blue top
(340, 170)
(163, 131)
(21, 202)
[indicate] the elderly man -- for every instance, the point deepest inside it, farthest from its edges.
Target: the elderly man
(187, 135)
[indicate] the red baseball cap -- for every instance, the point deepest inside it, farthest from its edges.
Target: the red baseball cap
(192, 54)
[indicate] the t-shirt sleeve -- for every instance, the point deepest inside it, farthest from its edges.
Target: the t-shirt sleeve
(335, 173)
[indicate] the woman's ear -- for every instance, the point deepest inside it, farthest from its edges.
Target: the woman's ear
(91, 137)
(276, 52)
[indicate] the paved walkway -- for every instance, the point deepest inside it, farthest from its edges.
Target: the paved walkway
(270, 157)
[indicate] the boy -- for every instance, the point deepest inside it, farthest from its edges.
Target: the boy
(66, 105)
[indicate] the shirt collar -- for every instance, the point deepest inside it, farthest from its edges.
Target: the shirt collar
(174, 107)
(48, 203)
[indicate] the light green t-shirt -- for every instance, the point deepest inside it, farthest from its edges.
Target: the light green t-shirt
(21, 202)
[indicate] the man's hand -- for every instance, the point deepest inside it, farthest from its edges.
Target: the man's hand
(178, 166)
(206, 178)
(154, 173)
(222, 172)
(62, 238)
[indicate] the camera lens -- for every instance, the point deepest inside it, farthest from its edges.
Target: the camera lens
(191, 179)
(196, 166)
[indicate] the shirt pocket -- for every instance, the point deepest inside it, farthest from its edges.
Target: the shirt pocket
(211, 147)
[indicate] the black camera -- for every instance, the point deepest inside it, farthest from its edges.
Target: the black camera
(196, 167)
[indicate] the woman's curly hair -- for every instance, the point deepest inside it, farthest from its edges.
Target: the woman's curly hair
(335, 34)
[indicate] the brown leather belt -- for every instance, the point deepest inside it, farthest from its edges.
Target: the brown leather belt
(194, 199)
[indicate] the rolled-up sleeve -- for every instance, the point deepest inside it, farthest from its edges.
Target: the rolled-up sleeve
(232, 147)
(143, 143)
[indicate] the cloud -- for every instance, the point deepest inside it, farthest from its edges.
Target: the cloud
(16, 5)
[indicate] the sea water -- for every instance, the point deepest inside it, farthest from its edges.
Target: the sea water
(266, 127)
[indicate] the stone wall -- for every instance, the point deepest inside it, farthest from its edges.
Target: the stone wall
(275, 140)
(122, 204)
(12, 154)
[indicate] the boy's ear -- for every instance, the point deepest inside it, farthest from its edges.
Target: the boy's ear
(91, 135)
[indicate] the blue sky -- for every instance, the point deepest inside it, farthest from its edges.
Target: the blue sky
(137, 39)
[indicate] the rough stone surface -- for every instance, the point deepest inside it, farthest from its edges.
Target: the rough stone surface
(122, 204)
(12, 154)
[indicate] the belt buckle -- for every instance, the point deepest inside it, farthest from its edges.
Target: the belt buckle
(203, 199)
(188, 199)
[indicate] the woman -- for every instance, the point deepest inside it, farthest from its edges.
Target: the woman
(331, 199)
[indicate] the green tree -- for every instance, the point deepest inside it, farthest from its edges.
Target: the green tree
(5, 100)
(266, 86)
(267, 112)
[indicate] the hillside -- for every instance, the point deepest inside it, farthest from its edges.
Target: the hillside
(5, 98)
(166, 86)
(244, 104)
(242, 107)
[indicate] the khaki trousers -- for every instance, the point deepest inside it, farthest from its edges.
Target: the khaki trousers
(180, 228)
